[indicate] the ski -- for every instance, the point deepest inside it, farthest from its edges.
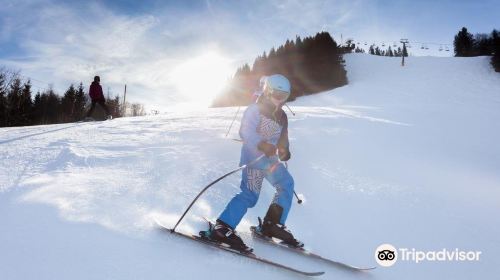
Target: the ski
(304, 252)
(227, 249)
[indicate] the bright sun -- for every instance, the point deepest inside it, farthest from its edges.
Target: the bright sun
(201, 78)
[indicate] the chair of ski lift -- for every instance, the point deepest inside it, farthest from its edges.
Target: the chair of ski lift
(366, 44)
(440, 48)
(422, 47)
(394, 44)
(447, 49)
(383, 44)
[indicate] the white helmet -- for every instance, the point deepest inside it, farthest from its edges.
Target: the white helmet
(277, 86)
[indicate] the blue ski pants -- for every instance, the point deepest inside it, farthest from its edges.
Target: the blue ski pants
(251, 182)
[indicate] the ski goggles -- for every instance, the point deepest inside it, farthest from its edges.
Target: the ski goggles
(279, 95)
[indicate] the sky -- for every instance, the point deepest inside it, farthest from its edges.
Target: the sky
(180, 53)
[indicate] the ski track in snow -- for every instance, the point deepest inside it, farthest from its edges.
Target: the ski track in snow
(412, 161)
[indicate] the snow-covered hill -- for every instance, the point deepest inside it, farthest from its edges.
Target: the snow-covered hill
(402, 155)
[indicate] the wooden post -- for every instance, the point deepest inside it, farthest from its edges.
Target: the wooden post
(124, 107)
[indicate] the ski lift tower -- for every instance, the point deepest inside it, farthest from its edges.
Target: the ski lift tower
(404, 41)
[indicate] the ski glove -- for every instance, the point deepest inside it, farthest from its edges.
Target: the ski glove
(284, 154)
(266, 148)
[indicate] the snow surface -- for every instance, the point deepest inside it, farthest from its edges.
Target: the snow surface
(402, 155)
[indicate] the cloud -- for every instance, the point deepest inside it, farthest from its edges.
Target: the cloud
(65, 43)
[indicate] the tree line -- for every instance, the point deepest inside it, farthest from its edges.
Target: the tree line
(312, 65)
(19, 107)
(466, 45)
(375, 50)
(399, 52)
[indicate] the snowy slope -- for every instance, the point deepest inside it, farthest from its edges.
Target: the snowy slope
(407, 156)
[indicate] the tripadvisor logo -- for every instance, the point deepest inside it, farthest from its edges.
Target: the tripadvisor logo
(387, 255)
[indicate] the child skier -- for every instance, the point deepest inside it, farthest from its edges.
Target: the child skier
(264, 130)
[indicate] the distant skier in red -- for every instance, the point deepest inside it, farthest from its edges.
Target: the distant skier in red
(97, 96)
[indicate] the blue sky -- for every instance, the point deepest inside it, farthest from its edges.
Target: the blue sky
(158, 47)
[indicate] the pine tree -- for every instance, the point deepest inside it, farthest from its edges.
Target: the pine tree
(482, 45)
(38, 109)
(68, 105)
(372, 50)
(389, 52)
(80, 103)
(26, 105)
(13, 103)
(114, 106)
(495, 46)
(311, 65)
(463, 43)
(53, 107)
(359, 50)
(3, 100)
(259, 65)
(398, 52)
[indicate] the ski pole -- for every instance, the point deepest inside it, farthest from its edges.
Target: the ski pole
(299, 201)
(211, 184)
(235, 115)
(290, 109)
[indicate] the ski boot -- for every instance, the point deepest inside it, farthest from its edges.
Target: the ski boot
(223, 233)
(273, 229)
